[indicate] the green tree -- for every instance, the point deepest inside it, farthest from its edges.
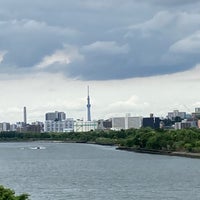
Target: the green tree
(8, 194)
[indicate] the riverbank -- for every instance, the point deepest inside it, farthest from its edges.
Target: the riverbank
(160, 152)
(137, 150)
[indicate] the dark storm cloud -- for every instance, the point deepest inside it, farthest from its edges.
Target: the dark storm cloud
(173, 2)
(97, 40)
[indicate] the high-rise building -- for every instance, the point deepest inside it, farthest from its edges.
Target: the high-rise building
(88, 107)
(55, 116)
(176, 113)
(66, 125)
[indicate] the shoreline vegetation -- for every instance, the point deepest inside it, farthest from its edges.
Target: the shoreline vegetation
(185, 142)
(8, 194)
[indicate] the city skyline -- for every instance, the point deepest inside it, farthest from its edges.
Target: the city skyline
(138, 57)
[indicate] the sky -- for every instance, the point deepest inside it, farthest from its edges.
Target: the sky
(137, 56)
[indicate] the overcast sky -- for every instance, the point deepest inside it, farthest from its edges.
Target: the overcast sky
(138, 56)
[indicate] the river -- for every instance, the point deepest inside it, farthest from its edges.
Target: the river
(64, 171)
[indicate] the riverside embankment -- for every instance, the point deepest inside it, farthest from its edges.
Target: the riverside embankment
(160, 152)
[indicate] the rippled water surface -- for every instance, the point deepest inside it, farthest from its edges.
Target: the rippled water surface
(61, 171)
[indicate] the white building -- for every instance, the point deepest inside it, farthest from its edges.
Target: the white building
(134, 122)
(118, 123)
(59, 126)
(127, 122)
(85, 126)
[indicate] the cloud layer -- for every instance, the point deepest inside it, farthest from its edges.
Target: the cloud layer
(99, 40)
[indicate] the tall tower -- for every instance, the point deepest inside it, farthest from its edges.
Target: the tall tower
(88, 106)
(25, 119)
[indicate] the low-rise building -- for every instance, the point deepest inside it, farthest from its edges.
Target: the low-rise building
(104, 124)
(182, 125)
(39, 125)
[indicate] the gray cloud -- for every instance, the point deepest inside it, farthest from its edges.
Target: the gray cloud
(110, 39)
(188, 45)
(27, 41)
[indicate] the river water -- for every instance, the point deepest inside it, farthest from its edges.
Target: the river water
(63, 171)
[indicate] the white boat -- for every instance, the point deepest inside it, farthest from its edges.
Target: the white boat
(38, 147)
